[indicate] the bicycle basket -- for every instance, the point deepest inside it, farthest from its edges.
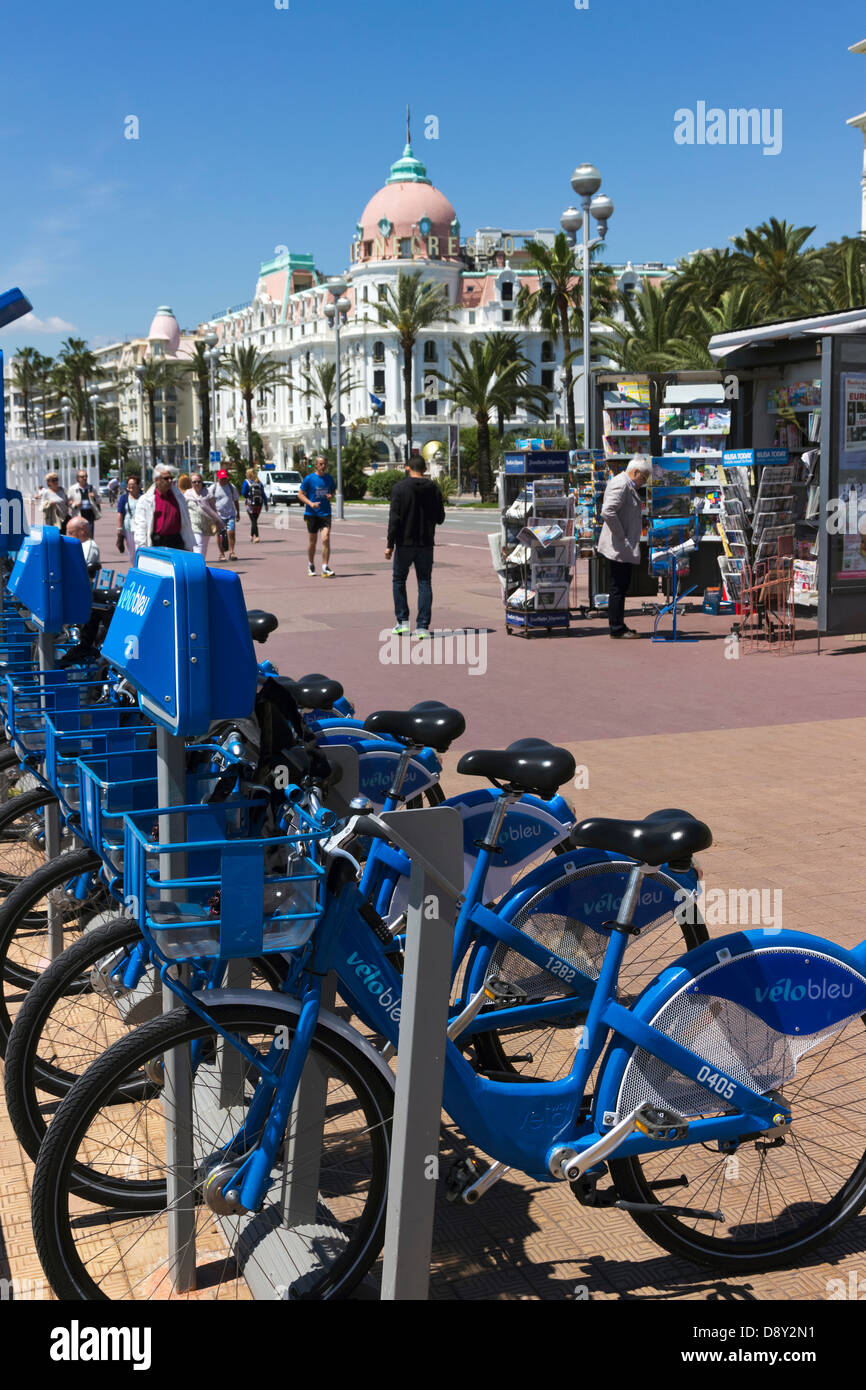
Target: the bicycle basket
(232, 896)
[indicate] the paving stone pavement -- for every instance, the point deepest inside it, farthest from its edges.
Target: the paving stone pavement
(768, 750)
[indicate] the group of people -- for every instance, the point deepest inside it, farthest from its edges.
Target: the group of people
(184, 514)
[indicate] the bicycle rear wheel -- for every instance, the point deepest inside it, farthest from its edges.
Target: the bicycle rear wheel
(780, 1193)
(100, 1214)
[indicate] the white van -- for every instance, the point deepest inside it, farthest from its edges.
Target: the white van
(281, 485)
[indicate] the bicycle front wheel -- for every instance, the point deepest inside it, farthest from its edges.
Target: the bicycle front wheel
(100, 1209)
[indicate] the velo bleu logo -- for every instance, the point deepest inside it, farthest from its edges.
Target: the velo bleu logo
(812, 989)
(134, 599)
(370, 977)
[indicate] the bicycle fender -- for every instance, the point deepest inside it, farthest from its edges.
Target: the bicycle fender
(751, 1003)
(292, 1008)
(670, 889)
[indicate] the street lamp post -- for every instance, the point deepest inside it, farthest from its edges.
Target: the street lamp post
(333, 311)
(213, 357)
(586, 181)
(141, 372)
(66, 407)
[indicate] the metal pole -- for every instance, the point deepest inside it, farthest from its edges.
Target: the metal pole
(52, 820)
(177, 1088)
(421, 1054)
(587, 322)
(339, 498)
(213, 407)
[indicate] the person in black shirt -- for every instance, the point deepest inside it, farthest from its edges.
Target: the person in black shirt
(417, 509)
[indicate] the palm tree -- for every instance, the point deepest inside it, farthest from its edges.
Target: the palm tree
(25, 380)
(481, 383)
(692, 351)
(82, 370)
(414, 306)
(846, 265)
(321, 384)
(785, 281)
(558, 302)
(252, 372)
(43, 367)
(159, 376)
(507, 348)
(652, 319)
(198, 368)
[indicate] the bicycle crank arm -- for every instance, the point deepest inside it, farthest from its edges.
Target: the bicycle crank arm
(661, 1125)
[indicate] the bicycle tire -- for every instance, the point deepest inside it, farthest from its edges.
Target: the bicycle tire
(837, 1120)
(58, 1176)
(29, 1069)
(15, 930)
(20, 820)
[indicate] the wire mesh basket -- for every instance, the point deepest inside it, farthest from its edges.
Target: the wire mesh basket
(220, 892)
(61, 695)
(96, 732)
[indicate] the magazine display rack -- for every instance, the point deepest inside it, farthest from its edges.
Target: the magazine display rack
(537, 541)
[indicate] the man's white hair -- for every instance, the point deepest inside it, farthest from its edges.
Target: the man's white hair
(162, 468)
(640, 464)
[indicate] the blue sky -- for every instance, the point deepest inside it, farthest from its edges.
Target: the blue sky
(246, 140)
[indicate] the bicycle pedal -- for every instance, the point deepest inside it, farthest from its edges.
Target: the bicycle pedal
(663, 1126)
(504, 994)
(461, 1175)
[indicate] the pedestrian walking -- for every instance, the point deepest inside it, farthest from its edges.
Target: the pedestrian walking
(162, 516)
(417, 508)
(226, 503)
(126, 505)
(254, 500)
(317, 491)
(619, 540)
(54, 503)
(84, 500)
(113, 490)
(203, 517)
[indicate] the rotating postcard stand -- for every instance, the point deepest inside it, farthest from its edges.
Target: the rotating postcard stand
(671, 544)
(50, 579)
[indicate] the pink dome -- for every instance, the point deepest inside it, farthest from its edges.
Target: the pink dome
(166, 330)
(408, 205)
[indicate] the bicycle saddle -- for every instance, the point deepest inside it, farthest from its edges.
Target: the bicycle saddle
(261, 624)
(530, 764)
(312, 692)
(429, 724)
(664, 837)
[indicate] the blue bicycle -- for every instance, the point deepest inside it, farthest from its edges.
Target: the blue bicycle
(724, 1108)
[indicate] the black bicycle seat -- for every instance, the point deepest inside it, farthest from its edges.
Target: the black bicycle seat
(530, 765)
(428, 724)
(312, 692)
(261, 624)
(668, 836)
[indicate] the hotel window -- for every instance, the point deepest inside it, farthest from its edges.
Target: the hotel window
(368, 250)
(547, 381)
(430, 353)
(471, 316)
(507, 315)
(378, 351)
(383, 294)
(378, 383)
(508, 292)
(431, 407)
(406, 248)
(547, 351)
(366, 294)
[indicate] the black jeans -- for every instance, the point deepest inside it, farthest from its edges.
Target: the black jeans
(620, 582)
(421, 557)
(254, 522)
(170, 542)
